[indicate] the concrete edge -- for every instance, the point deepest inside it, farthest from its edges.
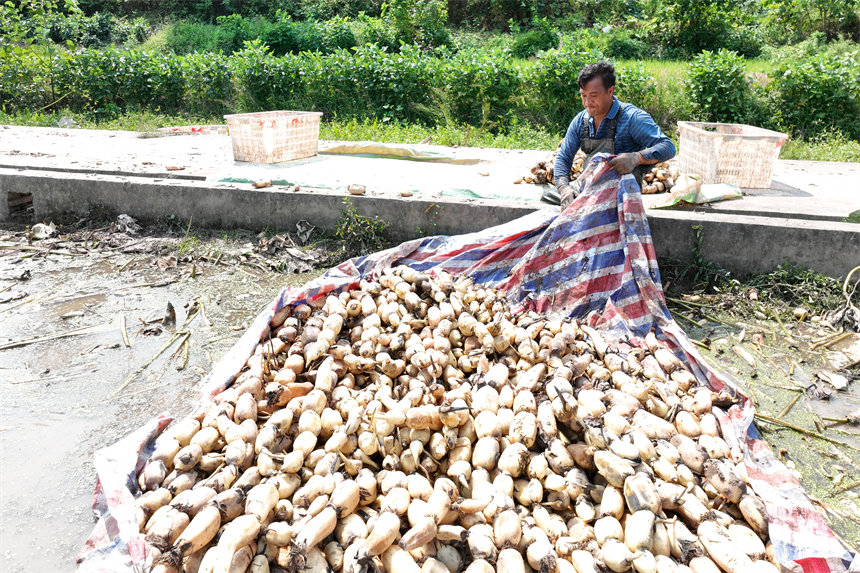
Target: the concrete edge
(739, 243)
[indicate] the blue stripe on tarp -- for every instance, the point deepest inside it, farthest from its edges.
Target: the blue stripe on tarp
(569, 272)
(575, 226)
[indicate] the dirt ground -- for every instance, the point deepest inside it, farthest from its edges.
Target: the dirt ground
(108, 287)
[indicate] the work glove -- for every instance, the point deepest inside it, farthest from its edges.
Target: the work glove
(567, 194)
(624, 163)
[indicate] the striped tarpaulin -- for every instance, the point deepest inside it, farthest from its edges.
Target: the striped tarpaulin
(594, 261)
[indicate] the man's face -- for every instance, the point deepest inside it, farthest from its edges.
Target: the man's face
(596, 99)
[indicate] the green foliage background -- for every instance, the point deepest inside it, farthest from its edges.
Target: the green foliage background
(501, 66)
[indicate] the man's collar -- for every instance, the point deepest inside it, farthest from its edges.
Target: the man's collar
(613, 111)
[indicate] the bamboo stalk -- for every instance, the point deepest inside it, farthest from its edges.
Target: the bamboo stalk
(837, 340)
(176, 336)
(75, 332)
(845, 488)
(804, 431)
(124, 331)
(789, 406)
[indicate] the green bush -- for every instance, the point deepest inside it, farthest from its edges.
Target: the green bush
(287, 36)
(634, 84)
(815, 94)
(418, 21)
(99, 29)
(748, 41)
(478, 89)
(371, 30)
(718, 88)
(622, 45)
(189, 36)
(688, 27)
(791, 21)
(25, 79)
(109, 81)
(538, 39)
(551, 85)
(208, 84)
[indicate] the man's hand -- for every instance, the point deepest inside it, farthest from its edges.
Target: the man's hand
(567, 194)
(625, 163)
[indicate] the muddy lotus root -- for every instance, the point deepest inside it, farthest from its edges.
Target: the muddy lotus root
(415, 425)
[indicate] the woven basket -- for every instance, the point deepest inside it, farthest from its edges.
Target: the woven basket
(729, 153)
(274, 136)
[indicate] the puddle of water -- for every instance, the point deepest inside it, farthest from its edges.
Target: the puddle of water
(77, 304)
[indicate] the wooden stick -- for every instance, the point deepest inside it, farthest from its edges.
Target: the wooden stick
(124, 331)
(789, 406)
(690, 320)
(768, 360)
(837, 340)
(781, 325)
(131, 260)
(687, 302)
(824, 339)
(790, 426)
(845, 488)
(36, 249)
(75, 332)
(176, 336)
(186, 346)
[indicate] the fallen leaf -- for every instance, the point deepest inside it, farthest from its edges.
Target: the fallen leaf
(165, 263)
(838, 381)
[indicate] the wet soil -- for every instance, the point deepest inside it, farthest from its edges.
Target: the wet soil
(57, 403)
(785, 382)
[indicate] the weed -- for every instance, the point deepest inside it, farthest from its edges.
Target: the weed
(361, 234)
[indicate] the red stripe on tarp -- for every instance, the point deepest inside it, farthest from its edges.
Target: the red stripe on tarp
(814, 565)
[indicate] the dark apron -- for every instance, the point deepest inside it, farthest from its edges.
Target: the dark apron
(591, 147)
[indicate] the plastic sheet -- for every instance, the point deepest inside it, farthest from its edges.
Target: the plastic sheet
(594, 261)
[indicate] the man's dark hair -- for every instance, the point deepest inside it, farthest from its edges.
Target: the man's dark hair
(603, 70)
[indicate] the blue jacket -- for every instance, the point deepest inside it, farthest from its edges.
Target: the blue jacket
(635, 131)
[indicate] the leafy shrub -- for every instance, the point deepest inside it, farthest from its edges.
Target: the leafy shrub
(370, 30)
(790, 21)
(110, 80)
(209, 83)
(622, 45)
(189, 36)
(99, 29)
(634, 84)
(688, 27)
(232, 32)
(748, 41)
(541, 37)
(718, 88)
(479, 89)
(328, 9)
(815, 94)
(24, 79)
(418, 21)
(552, 89)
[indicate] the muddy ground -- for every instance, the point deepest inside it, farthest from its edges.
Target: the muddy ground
(108, 286)
(57, 402)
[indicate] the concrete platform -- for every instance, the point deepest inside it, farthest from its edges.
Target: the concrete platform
(453, 191)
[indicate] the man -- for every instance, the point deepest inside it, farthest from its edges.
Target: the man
(607, 125)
